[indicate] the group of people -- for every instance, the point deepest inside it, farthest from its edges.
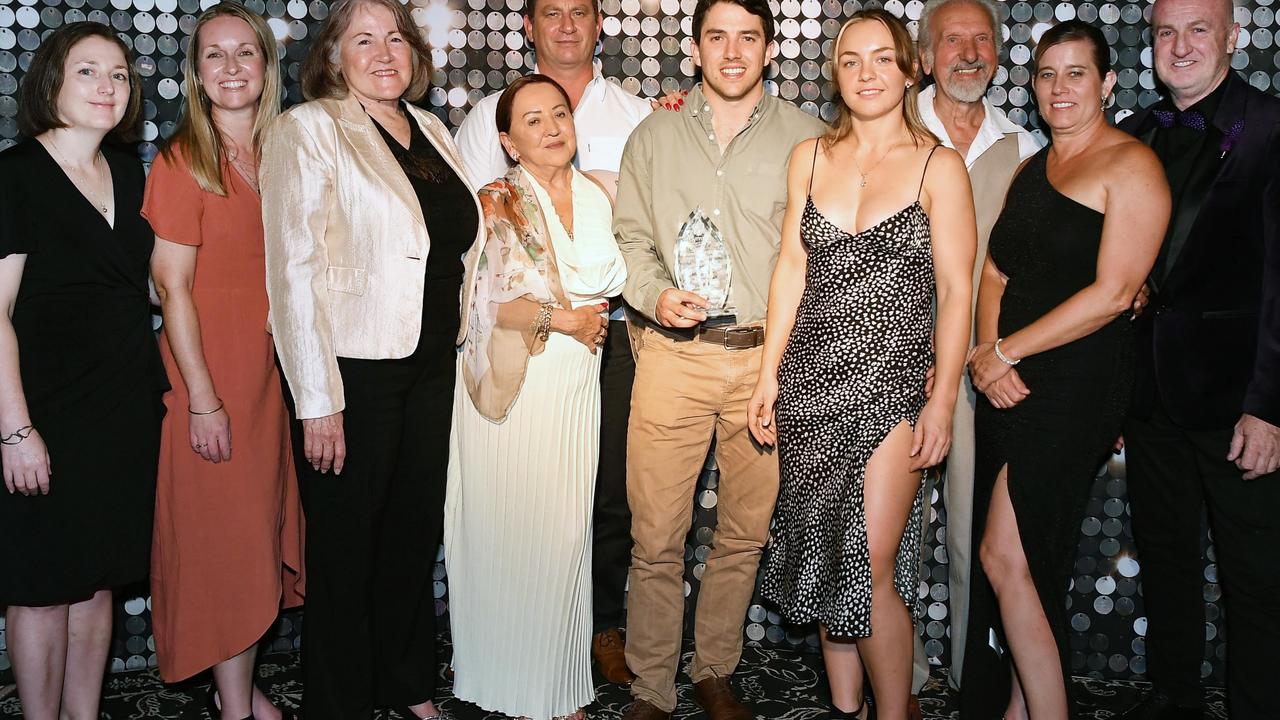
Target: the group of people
(497, 340)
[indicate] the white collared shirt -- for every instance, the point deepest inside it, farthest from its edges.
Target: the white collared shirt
(604, 119)
(995, 126)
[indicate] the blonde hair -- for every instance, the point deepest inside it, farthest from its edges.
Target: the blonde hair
(904, 57)
(196, 137)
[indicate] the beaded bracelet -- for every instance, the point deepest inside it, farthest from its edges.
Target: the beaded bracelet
(541, 325)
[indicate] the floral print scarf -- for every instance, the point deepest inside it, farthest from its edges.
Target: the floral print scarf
(517, 261)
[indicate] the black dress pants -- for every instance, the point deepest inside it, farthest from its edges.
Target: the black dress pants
(1173, 473)
(373, 533)
(611, 543)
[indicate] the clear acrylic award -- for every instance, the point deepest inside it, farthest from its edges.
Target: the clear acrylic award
(703, 266)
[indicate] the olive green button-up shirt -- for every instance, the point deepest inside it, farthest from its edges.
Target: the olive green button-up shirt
(672, 165)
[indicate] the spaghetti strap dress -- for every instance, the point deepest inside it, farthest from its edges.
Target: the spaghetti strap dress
(853, 369)
(1054, 441)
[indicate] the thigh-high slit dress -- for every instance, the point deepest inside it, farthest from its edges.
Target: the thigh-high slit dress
(853, 370)
(1054, 441)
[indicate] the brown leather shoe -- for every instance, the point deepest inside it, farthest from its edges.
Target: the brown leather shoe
(609, 650)
(715, 695)
(644, 710)
(913, 709)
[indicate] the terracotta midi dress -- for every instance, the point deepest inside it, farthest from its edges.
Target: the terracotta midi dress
(227, 545)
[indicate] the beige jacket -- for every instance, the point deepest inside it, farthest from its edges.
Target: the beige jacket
(346, 245)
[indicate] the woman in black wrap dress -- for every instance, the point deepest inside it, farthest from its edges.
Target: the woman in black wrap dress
(80, 372)
(1060, 274)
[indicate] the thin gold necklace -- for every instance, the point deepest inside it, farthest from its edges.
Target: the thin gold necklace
(93, 196)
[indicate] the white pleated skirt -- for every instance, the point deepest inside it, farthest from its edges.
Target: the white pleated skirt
(518, 539)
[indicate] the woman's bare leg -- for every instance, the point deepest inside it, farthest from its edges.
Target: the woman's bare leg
(233, 679)
(889, 491)
(1027, 631)
(37, 638)
(88, 644)
(844, 671)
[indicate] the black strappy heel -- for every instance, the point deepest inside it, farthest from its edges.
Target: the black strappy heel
(838, 714)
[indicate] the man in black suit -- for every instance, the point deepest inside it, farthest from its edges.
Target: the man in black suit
(1207, 401)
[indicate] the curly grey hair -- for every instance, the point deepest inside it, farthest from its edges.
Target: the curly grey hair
(924, 36)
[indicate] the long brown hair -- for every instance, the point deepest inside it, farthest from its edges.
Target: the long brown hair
(904, 57)
(196, 137)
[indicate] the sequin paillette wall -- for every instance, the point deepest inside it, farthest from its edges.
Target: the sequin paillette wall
(479, 46)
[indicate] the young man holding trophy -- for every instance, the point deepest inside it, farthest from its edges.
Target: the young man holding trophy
(698, 219)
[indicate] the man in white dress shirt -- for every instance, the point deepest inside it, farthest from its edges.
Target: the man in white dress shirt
(564, 34)
(959, 43)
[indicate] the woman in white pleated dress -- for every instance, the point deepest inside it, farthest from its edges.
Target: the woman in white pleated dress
(526, 422)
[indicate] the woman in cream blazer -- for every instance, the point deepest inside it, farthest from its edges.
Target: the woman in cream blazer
(368, 216)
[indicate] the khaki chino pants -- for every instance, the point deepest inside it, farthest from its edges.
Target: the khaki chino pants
(685, 391)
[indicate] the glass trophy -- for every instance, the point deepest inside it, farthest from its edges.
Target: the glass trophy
(703, 266)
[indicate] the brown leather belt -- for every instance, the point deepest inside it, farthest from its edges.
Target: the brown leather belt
(733, 338)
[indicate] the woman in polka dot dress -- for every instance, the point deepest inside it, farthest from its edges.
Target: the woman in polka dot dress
(851, 337)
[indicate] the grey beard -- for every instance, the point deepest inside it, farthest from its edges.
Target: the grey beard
(965, 92)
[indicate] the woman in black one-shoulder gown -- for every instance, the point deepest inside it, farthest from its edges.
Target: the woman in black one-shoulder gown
(1059, 277)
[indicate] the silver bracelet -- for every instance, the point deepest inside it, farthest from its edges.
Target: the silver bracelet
(1005, 358)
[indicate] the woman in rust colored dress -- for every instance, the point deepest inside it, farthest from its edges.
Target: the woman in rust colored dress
(226, 550)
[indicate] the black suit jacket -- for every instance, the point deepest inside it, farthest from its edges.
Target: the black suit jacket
(1209, 344)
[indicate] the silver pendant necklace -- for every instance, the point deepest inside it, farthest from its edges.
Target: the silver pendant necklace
(870, 170)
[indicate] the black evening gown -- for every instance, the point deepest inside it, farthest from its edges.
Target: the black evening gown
(1055, 440)
(92, 377)
(853, 370)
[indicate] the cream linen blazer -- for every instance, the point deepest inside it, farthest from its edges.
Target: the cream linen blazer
(346, 245)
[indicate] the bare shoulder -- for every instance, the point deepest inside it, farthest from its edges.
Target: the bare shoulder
(945, 170)
(1125, 158)
(804, 150)
(944, 161)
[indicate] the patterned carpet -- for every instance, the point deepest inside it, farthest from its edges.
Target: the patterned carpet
(780, 685)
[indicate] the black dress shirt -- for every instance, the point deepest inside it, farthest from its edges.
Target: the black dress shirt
(1181, 150)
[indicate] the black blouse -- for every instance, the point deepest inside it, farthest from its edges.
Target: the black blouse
(448, 205)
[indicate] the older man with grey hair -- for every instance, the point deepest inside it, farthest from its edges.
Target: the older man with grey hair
(959, 43)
